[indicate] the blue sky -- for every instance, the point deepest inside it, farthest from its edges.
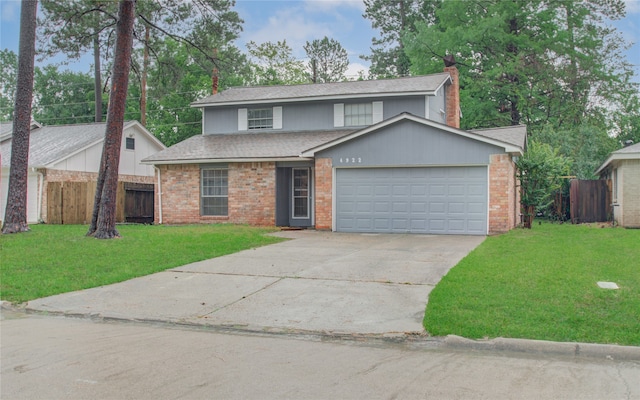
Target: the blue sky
(299, 21)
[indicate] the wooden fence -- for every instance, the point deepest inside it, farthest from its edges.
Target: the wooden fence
(590, 201)
(72, 202)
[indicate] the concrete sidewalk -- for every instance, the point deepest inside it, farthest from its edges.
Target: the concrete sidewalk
(316, 282)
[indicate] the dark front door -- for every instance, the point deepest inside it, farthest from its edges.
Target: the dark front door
(294, 201)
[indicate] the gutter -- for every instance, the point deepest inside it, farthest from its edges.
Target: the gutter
(40, 195)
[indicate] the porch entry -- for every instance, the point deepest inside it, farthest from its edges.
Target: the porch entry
(294, 195)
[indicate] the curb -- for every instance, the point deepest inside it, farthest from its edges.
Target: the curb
(416, 340)
(543, 347)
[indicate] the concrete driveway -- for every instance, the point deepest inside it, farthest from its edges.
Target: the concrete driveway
(317, 282)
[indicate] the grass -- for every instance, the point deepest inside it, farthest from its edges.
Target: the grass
(53, 259)
(541, 284)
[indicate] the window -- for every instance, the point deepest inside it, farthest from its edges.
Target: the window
(130, 143)
(214, 191)
(358, 114)
(301, 193)
(260, 118)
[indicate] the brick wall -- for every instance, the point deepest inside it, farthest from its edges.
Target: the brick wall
(58, 175)
(504, 199)
(252, 195)
(453, 98)
(324, 204)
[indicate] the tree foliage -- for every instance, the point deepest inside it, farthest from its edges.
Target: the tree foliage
(393, 19)
(541, 171)
(535, 62)
(181, 76)
(274, 64)
(328, 60)
(75, 27)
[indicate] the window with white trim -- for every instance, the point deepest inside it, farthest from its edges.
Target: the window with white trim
(358, 114)
(214, 191)
(260, 118)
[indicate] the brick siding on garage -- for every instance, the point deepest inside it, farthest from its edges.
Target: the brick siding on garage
(504, 199)
(251, 194)
(324, 200)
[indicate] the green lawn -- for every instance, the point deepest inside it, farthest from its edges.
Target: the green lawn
(54, 259)
(541, 284)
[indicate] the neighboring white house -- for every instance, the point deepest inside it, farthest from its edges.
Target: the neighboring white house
(72, 153)
(623, 168)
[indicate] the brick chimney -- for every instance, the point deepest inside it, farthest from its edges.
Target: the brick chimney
(452, 94)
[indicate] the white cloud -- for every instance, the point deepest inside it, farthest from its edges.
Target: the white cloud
(354, 69)
(290, 24)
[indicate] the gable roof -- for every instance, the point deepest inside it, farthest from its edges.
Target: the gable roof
(626, 153)
(51, 144)
(243, 147)
(417, 85)
(515, 134)
(508, 147)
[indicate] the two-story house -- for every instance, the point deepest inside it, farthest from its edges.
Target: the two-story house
(360, 156)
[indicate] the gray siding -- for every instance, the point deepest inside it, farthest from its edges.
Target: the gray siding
(307, 116)
(409, 143)
(220, 120)
(318, 115)
(397, 105)
(437, 104)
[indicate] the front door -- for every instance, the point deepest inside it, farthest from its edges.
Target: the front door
(300, 197)
(294, 195)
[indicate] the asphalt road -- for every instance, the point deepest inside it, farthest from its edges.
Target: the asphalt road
(47, 357)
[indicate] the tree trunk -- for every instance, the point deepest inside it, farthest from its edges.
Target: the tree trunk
(15, 219)
(143, 84)
(103, 222)
(97, 86)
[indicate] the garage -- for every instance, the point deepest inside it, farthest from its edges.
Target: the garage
(434, 200)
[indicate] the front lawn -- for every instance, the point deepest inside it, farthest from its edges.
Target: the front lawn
(541, 284)
(54, 259)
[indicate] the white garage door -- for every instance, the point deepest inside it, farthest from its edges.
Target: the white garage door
(439, 200)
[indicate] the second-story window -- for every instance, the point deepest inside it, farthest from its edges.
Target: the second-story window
(260, 118)
(358, 114)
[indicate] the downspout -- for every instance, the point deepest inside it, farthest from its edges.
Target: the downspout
(159, 196)
(40, 195)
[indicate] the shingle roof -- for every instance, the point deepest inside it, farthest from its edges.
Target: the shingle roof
(267, 94)
(208, 148)
(634, 148)
(53, 143)
(626, 153)
(516, 134)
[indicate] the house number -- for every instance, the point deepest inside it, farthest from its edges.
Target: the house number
(351, 160)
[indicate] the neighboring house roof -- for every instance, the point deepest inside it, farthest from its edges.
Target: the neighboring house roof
(418, 85)
(51, 144)
(515, 134)
(486, 138)
(626, 153)
(243, 147)
(6, 129)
